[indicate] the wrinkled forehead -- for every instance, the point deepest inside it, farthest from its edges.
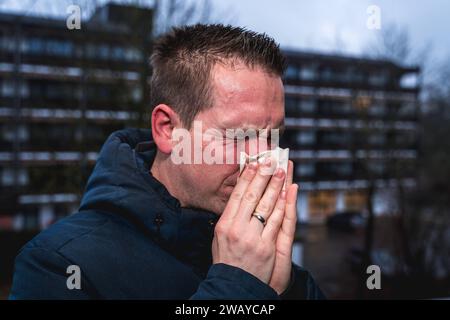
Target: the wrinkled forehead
(247, 97)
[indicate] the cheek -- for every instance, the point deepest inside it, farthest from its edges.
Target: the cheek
(214, 177)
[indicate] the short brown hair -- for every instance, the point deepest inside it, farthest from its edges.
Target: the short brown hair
(183, 58)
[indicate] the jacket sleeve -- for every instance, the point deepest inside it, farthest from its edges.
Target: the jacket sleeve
(41, 274)
(227, 282)
(302, 286)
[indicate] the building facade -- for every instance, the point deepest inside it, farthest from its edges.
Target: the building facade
(352, 126)
(62, 92)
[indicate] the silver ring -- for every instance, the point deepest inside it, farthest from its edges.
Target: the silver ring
(260, 218)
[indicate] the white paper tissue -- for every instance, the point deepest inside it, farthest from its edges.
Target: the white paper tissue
(279, 155)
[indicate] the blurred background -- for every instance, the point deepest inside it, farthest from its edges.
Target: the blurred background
(367, 121)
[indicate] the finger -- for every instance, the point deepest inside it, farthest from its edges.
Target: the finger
(276, 218)
(271, 194)
(256, 224)
(242, 184)
(254, 192)
(290, 174)
(290, 218)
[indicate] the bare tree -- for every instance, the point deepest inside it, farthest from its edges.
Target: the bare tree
(421, 224)
(170, 13)
(391, 43)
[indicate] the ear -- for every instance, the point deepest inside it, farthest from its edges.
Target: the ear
(164, 120)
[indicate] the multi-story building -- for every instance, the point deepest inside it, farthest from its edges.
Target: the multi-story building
(62, 92)
(352, 126)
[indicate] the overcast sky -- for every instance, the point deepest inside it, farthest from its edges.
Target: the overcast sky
(340, 25)
(321, 25)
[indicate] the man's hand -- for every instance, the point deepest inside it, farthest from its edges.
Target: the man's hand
(240, 239)
(283, 260)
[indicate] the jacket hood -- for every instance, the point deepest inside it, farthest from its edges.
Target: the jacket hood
(121, 184)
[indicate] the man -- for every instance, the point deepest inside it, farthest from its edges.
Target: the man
(150, 227)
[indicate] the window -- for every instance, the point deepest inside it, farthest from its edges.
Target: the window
(345, 108)
(305, 170)
(307, 73)
(36, 46)
(321, 204)
(54, 90)
(407, 109)
(326, 74)
(31, 218)
(59, 48)
(7, 88)
(377, 167)
(7, 43)
(377, 139)
(330, 74)
(355, 200)
(90, 50)
(377, 110)
(133, 54)
(339, 169)
(306, 137)
(291, 105)
(307, 105)
(297, 106)
(9, 133)
(409, 81)
(378, 78)
(405, 138)
(334, 107)
(357, 76)
(136, 94)
(336, 138)
(9, 177)
(117, 53)
(291, 72)
(103, 51)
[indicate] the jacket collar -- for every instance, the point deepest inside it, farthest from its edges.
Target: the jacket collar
(121, 183)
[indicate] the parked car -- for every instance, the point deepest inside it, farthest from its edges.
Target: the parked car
(347, 221)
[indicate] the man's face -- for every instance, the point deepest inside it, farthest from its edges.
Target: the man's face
(243, 99)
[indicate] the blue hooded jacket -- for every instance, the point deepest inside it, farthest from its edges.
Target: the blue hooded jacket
(132, 240)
